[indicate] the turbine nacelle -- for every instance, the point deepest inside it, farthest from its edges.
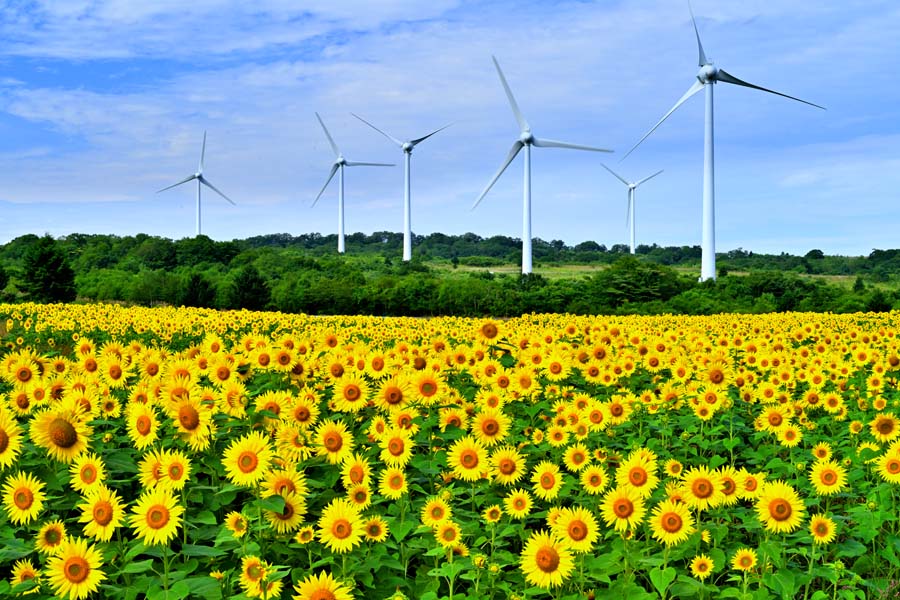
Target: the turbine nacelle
(708, 73)
(526, 137)
(407, 147)
(340, 160)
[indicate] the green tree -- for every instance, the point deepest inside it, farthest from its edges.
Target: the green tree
(47, 276)
(249, 290)
(197, 291)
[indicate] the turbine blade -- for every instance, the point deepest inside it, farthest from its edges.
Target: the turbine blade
(702, 60)
(328, 135)
(648, 178)
(544, 143)
(185, 180)
(334, 169)
(422, 139)
(520, 119)
(696, 87)
(202, 152)
(509, 158)
(206, 182)
(390, 137)
(368, 164)
(729, 78)
(616, 175)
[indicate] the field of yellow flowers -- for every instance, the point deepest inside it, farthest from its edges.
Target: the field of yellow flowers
(183, 453)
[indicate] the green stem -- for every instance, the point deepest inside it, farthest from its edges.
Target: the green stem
(812, 556)
(166, 569)
(450, 577)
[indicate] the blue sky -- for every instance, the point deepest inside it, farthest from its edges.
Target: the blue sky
(102, 102)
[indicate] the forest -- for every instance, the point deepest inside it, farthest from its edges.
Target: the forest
(449, 275)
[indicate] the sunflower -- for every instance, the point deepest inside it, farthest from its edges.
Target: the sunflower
(87, 472)
(468, 458)
(623, 508)
(291, 516)
(508, 465)
(396, 447)
(75, 570)
(320, 587)
(822, 451)
(427, 387)
(728, 480)
(594, 479)
(253, 574)
(546, 480)
(237, 524)
(435, 511)
(488, 331)
(545, 560)
(305, 535)
(101, 512)
(156, 517)
(50, 536)
(23, 572)
(490, 426)
(702, 566)
(779, 507)
(744, 559)
(885, 427)
(375, 529)
(492, 513)
(62, 431)
(340, 526)
(517, 503)
(281, 481)
(23, 497)
(702, 488)
(392, 483)
(789, 436)
(351, 393)
(395, 392)
(193, 421)
(355, 470)
(671, 522)
(828, 477)
(142, 424)
(247, 459)
(888, 465)
(822, 528)
(447, 533)
(576, 457)
(10, 439)
(360, 495)
(638, 473)
(303, 412)
(576, 528)
(333, 440)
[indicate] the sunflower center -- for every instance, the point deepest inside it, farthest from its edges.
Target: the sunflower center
(357, 474)
(263, 359)
(4, 440)
(333, 441)
(52, 537)
(437, 513)
(396, 482)
(115, 372)
(821, 529)
(301, 414)
(702, 488)
(507, 466)
(547, 559)
(829, 477)
(223, 373)
(469, 459)
(548, 481)
(746, 561)
(490, 427)
(23, 374)
(780, 509)
(247, 461)
(489, 330)
(637, 476)
(287, 513)
(671, 522)
(23, 498)
(188, 417)
(775, 419)
(396, 446)
(157, 516)
(595, 480)
(616, 410)
(89, 474)
(175, 472)
(716, 376)
(62, 433)
(893, 466)
(103, 513)
(885, 427)
(341, 529)
(577, 530)
(623, 508)
(352, 392)
(143, 425)
(428, 388)
(728, 486)
(393, 395)
(151, 369)
(76, 569)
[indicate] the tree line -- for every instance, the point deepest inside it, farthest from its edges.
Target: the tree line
(304, 274)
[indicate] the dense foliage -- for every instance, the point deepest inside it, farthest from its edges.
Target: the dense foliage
(450, 275)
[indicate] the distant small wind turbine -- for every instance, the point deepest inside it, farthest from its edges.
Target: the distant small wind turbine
(629, 215)
(526, 140)
(709, 75)
(201, 181)
(407, 148)
(338, 165)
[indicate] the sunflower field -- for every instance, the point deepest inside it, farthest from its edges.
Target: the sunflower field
(188, 453)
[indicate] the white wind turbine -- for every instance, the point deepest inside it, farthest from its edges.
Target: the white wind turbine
(526, 140)
(629, 216)
(708, 76)
(407, 148)
(338, 165)
(201, 181)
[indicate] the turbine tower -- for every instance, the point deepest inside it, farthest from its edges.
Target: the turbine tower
(526, 140)
(338, 165)
(707, 77)
(201, 181)
(629, 215)
(407, 148)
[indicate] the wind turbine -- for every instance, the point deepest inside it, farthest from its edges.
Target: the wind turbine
(407, 148)
(526, 140)
(201, 181)
(629, 216)
(338, 165)
(708, 76)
